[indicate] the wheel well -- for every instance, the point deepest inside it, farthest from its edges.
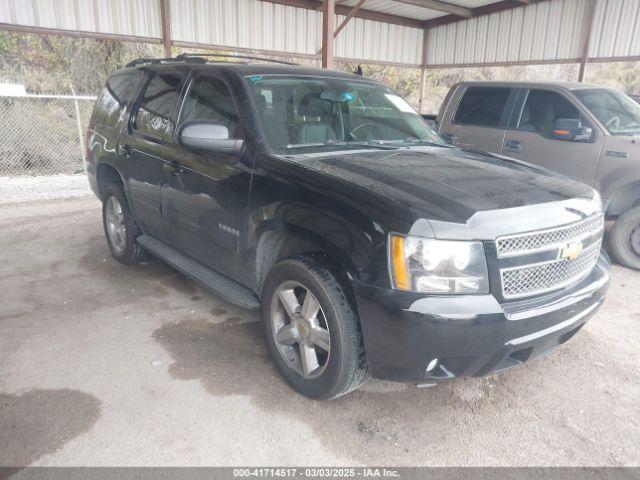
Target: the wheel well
(105, 175)
(274, 246)
(623, 200)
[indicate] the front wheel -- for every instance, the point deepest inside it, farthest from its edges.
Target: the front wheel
(311, 329)
(624, 239)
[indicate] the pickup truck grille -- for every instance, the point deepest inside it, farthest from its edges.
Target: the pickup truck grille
(573, 249)
(520, 244)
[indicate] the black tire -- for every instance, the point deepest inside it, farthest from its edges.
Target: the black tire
(346, 366)
(131, 252)
(624, 239)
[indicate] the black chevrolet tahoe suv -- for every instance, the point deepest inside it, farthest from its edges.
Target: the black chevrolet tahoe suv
(322, 198)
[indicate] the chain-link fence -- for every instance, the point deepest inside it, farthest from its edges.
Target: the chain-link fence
(43, 134)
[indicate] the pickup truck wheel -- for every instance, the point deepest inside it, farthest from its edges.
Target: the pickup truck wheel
(625, 239)
(119, 227)
(311, 329)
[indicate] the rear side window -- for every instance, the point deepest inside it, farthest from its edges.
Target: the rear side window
(156, 106)
(482, 106)
(113, 98)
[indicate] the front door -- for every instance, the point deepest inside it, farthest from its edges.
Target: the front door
(141, 147)
(205, 197)
(531, 138)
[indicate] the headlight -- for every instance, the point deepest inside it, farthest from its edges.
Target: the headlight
(437, 266)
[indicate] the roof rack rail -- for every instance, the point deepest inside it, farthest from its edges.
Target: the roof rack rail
(157, 61)
(187, 56)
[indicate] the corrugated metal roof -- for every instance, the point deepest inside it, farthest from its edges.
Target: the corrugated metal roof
(121, 17)
(383, 42)
(616, 30)
(269, 26)
(551, 30)
(397, 8)
(411, 11)
(546, 31)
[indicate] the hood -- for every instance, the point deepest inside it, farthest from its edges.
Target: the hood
(447, 184)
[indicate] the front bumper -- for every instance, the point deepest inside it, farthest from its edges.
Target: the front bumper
(470, 335)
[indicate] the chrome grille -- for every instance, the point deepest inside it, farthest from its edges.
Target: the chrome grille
(547, 276)
(524, 243)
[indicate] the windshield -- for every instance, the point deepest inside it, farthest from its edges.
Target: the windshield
(619, 114)
(319, 114)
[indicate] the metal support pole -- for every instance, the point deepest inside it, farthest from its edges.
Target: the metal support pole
(587, 28)
(165, 17)
(423, 70)
(328, 25)
(79, 127)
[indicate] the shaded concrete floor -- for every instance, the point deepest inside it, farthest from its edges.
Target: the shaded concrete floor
(103, 364)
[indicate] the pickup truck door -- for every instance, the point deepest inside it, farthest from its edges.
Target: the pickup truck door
(141, 147)
(529, 136)
(205, 196)
(477, 117)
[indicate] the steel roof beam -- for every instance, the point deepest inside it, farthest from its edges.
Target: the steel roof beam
(480, 11)
(440, 7)
(345, 10)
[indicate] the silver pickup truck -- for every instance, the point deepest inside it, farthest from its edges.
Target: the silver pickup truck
(586, 132)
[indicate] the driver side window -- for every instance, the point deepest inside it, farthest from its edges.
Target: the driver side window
(210, 99)
(543, 109)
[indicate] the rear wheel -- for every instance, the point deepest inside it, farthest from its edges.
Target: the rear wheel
(119, 226)
(311, 329)
(625, 239)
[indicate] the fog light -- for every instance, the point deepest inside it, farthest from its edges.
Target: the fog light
(432, 365)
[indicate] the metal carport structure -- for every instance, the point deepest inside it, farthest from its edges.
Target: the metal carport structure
(420, 34)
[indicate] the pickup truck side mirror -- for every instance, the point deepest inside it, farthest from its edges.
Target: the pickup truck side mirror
(571, 129)
(207, 136)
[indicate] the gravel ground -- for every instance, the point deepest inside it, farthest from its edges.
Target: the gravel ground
(103, 364)
(27, 189)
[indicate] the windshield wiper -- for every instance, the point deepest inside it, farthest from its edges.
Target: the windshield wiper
(380, 144)
(329, 143)
(417, 141)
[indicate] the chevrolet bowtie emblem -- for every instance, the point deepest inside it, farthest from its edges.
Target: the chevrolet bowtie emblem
(571, 251)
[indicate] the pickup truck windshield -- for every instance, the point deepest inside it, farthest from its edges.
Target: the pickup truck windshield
(619, 114)
(321, 114)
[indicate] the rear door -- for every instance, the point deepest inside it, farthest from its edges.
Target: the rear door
(529, 136)
(205, 198)
(479, 117)
(106, 120)
(142, 143)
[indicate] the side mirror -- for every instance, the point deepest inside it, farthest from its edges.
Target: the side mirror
(571, 129)
(206, 136)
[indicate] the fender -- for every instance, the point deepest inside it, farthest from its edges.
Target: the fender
(293, 228)
(622, 197)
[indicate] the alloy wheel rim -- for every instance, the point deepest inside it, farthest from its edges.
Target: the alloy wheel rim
(116, 227)
(300, 329)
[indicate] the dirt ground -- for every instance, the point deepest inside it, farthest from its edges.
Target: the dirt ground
(102, 364)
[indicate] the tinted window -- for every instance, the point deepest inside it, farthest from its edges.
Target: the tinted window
(542, 109)
(482, 106)
(210, 99)
(114, 97)
(159, 98)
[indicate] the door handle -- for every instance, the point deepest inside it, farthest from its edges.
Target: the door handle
(513, 146)
(448, 137)
(125, 150)
(174, 168)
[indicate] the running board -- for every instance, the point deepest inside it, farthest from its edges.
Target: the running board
(208, 278)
